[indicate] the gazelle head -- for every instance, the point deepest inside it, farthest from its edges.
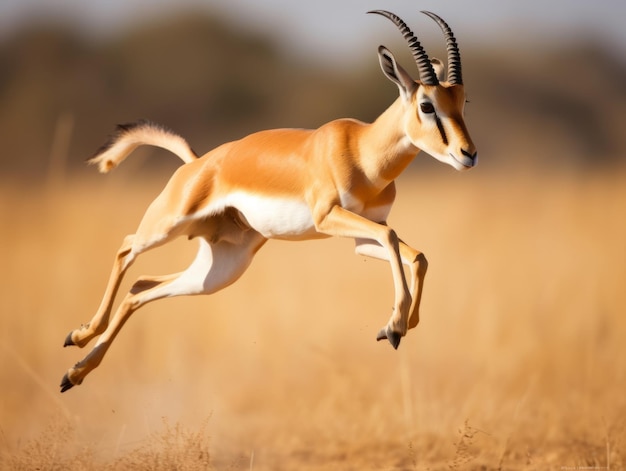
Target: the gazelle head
(434, 106)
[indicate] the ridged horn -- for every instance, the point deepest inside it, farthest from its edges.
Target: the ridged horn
(425, 68)
(455, 77)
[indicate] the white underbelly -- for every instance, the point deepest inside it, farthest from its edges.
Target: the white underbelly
(275, 218)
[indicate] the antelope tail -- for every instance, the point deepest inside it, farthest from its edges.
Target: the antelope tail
(127, 137)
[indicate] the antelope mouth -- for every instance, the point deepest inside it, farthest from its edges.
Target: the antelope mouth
(465, 163)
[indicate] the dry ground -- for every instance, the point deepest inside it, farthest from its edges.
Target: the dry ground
(519, 362)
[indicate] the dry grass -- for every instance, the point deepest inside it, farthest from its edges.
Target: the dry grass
(519, 362)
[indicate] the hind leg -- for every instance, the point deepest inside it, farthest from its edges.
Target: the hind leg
(153, 231)
(215, 267)
(98, 323)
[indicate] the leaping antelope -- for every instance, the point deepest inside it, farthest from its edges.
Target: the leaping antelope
(291, 184)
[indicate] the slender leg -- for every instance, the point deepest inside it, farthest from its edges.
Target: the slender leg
(153, 231)
(215, 267)
(125, 257)
(123, 260)
(416, 263)
(343, 223)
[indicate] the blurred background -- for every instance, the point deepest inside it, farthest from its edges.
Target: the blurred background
(546, 81)
(519, 360)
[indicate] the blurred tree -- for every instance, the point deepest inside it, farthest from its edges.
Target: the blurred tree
(212, 83)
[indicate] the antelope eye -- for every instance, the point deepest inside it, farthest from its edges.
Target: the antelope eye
(427, 107)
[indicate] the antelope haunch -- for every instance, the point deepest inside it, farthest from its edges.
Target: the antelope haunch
(291, 184)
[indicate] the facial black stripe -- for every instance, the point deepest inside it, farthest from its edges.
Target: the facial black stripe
(442, 131)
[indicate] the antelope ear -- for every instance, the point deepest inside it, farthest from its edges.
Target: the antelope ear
(394, 72)
(438, 68)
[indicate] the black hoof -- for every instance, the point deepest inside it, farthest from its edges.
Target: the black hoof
(66, 383)
(393, 337)
(68, 340)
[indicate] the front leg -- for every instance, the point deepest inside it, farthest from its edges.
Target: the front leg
(343, 223)
(413, 259)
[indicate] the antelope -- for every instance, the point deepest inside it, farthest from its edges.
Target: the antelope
(289, 184)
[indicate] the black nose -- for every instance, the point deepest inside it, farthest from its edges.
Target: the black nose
(467, 154)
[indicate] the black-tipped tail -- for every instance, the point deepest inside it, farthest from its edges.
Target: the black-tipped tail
(129, 136)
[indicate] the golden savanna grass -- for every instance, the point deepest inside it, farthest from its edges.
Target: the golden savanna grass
(519, 362)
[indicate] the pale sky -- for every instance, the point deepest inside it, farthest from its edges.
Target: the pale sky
(336, 28)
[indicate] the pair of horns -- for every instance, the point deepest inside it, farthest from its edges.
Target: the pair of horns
(425, 68)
